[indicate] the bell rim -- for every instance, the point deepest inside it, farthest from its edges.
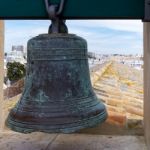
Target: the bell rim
(82, 124)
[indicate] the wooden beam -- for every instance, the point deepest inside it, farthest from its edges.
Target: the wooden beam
(74, 9)
(1, 72)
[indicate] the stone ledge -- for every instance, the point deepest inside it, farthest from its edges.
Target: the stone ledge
(42, 141)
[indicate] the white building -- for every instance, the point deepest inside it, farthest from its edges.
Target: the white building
(16, 56)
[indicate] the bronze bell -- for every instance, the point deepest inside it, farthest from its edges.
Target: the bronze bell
(58, 95)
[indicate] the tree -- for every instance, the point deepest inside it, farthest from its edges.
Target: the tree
(15, 71)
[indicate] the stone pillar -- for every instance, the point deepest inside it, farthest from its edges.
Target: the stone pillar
(1, 72)
(147, 82)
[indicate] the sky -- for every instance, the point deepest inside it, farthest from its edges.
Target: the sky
(103, 36)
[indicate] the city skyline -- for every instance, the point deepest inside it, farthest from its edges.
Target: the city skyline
(103, 36)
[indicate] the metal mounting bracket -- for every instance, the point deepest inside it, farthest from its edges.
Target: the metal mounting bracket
(58, 25)
(147, 11)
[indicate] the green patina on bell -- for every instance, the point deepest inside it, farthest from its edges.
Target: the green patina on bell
(58, 95)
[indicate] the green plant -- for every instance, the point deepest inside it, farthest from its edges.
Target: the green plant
(15, 71)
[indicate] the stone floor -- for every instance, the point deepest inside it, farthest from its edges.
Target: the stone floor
(42, 141)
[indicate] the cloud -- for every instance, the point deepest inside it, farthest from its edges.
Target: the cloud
(122, 25)
(104, 36)
(110, 36)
